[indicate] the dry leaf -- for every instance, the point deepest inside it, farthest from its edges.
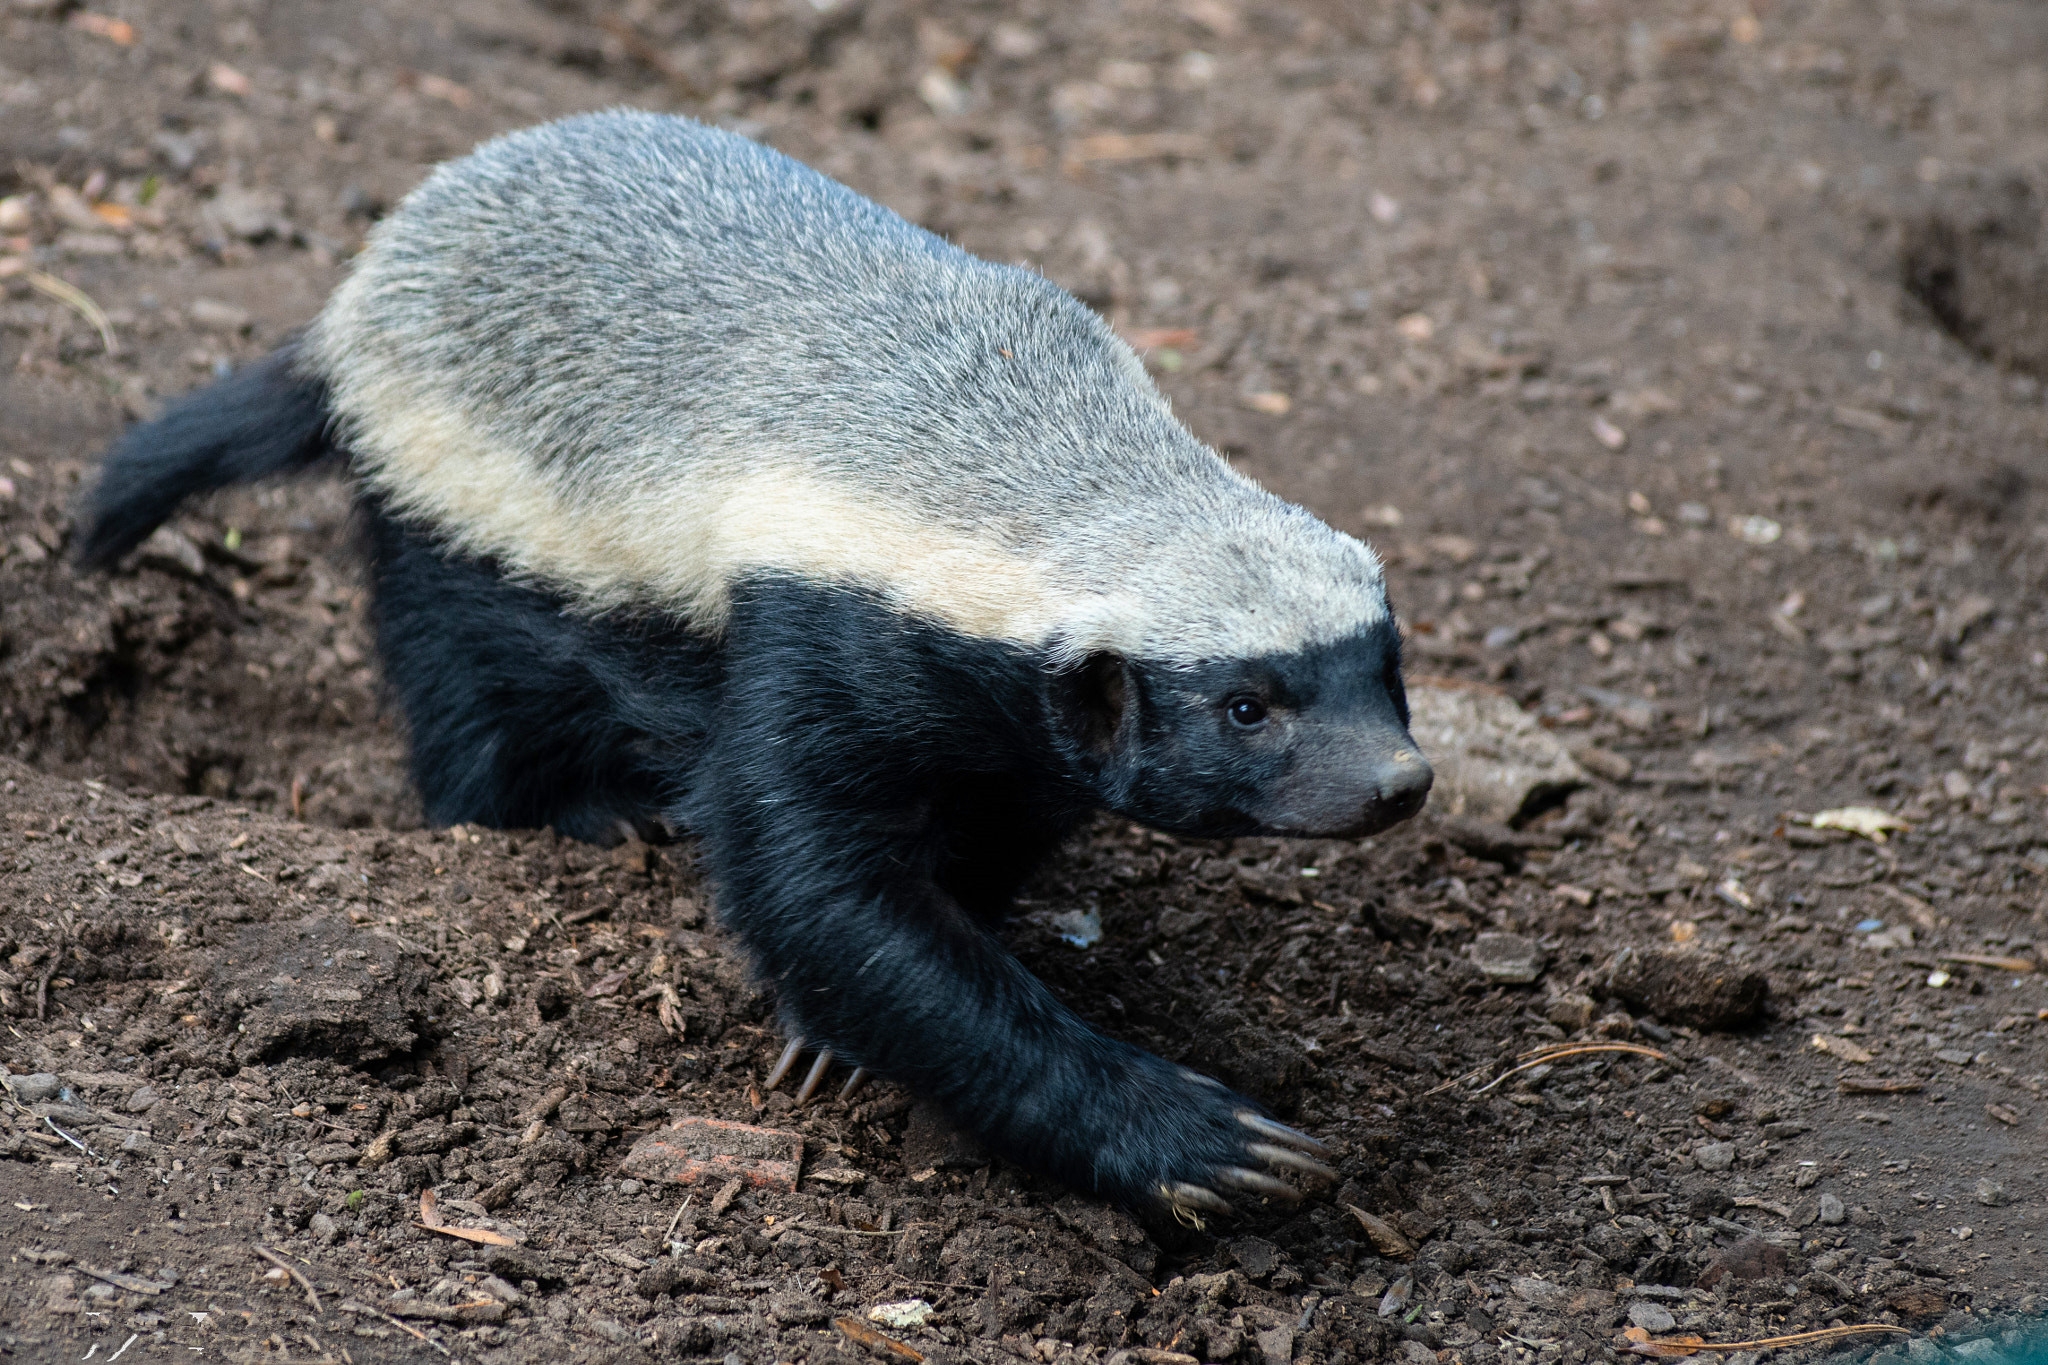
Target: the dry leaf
(1386, 1238)
(430, 1221)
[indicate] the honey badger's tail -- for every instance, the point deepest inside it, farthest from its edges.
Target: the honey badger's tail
(266, 418)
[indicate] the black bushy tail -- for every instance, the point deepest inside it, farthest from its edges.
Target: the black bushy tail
(264, 419)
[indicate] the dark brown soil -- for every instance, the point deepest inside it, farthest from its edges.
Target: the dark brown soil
(1657, 344)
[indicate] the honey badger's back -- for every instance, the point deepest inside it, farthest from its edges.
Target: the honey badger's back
(634, 358)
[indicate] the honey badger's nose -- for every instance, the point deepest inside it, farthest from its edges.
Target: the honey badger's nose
(1401, 783)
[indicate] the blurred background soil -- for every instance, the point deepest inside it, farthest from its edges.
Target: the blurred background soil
(1684, 360)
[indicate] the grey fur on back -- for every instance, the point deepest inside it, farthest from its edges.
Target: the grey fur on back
(633, 356)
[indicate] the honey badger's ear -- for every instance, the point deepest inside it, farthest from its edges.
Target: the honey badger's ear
(1091, 706)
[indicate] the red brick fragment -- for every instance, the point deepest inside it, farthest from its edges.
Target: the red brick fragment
(697, 1151)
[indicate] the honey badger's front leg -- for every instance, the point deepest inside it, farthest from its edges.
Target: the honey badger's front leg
(818, 808)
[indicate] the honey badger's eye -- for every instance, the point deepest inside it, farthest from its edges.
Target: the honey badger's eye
(1247, 712)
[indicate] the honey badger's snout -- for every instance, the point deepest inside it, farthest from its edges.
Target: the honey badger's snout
(1352, 787)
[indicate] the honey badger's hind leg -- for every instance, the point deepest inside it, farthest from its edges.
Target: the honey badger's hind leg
(523, 715)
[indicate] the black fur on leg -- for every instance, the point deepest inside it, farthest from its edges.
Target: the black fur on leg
(523, 714)
(838, 856)
(266, 418)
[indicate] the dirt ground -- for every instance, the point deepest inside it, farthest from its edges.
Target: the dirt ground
(1682, 358)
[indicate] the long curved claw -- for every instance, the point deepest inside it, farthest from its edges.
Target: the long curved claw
(854, 1082)
(818, 1070)
(1287, 1159)
(1257, 1182)
(1181, 1195)
(785, 1063)
(1281, 1133)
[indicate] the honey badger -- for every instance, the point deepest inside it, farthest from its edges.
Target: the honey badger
(702, 493)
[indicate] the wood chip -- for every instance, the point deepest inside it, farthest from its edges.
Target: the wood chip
(1843, 1048)
(859, 1332)
(1877, 1085)
(697, 1151)
(2005, 1114)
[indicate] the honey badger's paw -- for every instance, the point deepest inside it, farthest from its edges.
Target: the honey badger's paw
(1186, 1143)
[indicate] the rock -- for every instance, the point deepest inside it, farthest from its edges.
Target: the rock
(629, 1188)
(173, 553)
(33, 1089)
(932, 1143)
(1831, 1210)
(1570, 1012)
(1508, 958)
(1540, 1293)
(1820, 1282)
(1493, 761)
(670, 1276)
(1415, 1353)
(906, 1315)
(1981, 1350)
(1276, 1344)
(325, 1228)
(142, 1101)
(1688, 987)
(696, 1151)
(252, 215)
(1990, 1193)
(1752, 1258)
(1256, 1256)
(1651, 1317)
(331, 1153)
(1714, 1156)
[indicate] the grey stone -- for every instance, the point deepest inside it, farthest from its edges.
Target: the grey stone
(1990, 1193)
(1415, 1353)
(630, 1187)
(1831, 1209)
(1714, 1156)
(34, 1089)
(1492, 760)
(1508, 958)
(1922, 1351)
(1651, 1317)
(143, 1100)
(1276, 1344)
(325, 1228)
(1983, 1350)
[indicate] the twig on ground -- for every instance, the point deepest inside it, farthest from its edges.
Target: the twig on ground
(353, 1307)
(288, 1268)
(1673, 1347)
(78, 301)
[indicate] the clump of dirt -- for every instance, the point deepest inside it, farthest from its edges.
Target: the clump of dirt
(1589, 315)
(1700, 989)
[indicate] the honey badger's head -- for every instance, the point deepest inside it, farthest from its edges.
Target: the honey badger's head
(1311, 742)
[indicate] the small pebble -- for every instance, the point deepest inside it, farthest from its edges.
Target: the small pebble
(33, 1089)
(1990, 1193)
(630, 1187)
(1651, 1317)
(1714, 1156)
(1508, 958)
(1831, 1210)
